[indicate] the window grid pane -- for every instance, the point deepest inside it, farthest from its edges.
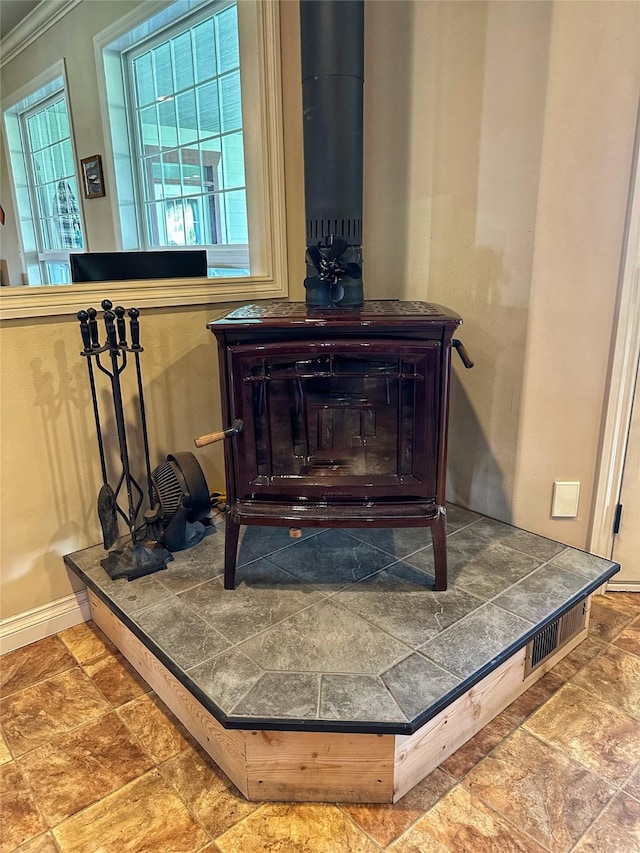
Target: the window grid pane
(231, 108)
(182, 54)
(145, 89)
(228, 53)
(187, 122)
(189, 132)
(205, 50)
(63, 118)
(163, 73)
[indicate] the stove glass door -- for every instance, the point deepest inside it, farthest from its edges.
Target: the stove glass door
(337, 419)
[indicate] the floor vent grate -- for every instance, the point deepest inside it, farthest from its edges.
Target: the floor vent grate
(555, 635)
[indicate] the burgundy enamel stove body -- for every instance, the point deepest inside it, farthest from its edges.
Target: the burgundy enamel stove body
(344, 417)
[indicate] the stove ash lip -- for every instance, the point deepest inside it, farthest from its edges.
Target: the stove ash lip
(332, 45)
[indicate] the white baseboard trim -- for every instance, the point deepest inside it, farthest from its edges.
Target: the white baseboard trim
(623, 586)
(33, 625)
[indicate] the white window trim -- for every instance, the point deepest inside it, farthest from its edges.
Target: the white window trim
(262, 21)
(28, 93)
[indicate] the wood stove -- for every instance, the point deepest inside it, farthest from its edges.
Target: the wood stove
(343, 417)
(336, 410)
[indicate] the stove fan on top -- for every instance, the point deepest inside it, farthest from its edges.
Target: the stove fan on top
(180, 517)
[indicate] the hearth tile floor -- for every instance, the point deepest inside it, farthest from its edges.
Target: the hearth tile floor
(91, 760)
(341, 629)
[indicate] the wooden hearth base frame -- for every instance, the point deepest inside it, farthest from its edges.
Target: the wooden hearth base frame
(330, 766)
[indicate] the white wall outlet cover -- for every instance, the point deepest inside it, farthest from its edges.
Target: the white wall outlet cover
(566, 496)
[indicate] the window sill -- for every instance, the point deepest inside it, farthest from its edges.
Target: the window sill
(60, 300)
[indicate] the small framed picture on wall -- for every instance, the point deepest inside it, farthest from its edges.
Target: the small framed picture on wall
(92, 179)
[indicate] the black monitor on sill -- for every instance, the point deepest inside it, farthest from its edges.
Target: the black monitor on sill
(125, 266)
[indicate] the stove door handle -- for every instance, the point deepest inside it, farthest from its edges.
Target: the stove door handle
(203, 440)
(462, 352)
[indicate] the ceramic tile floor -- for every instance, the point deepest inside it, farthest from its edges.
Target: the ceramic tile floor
(343, 626)
(93, 762)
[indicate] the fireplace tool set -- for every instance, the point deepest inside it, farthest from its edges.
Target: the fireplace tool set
(179, 501)
(135, 558)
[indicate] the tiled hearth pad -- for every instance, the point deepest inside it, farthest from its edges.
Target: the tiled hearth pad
(340, 630)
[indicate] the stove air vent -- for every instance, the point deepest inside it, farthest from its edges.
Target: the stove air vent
(555, 636)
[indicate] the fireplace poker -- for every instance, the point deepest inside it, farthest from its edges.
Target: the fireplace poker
(134, 328)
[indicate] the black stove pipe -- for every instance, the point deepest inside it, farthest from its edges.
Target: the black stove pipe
(332, 39)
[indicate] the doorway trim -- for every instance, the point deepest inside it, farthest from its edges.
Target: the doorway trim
(622, 373)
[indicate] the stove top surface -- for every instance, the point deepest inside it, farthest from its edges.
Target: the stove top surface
(300, 311)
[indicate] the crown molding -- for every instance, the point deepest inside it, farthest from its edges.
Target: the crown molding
(37, 22)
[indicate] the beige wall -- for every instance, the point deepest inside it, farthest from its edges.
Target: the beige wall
(590, 115)
(498, 149)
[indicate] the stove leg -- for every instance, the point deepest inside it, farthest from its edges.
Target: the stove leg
(439, 535)
(232, 532)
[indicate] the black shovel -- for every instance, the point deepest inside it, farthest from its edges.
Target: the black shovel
(107, 513)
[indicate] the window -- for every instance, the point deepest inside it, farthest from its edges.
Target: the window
(46, 184)
(181, 177)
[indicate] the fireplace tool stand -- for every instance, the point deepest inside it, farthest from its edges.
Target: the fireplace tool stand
(135, 558)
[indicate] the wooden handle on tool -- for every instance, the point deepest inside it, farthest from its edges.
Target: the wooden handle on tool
(234, 429)
(209, 438)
